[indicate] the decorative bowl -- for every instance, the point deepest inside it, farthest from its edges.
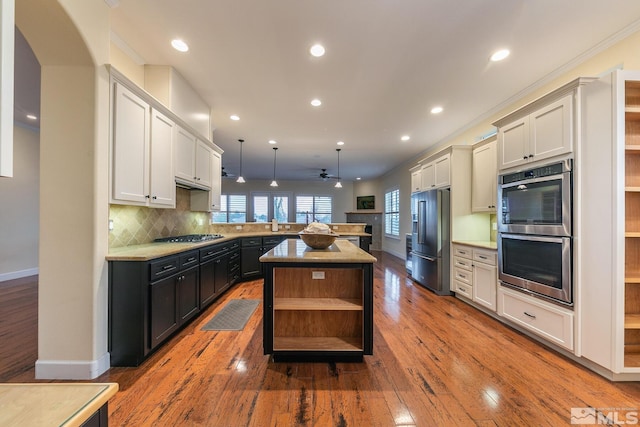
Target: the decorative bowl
(318, 240)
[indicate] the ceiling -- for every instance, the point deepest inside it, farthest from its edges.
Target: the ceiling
(387, 63)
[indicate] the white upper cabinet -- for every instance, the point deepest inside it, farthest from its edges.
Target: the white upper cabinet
(162, 183)
(428, 176)
(141, 153)
(442, 171)
(416, 180)
(130, 148)
(436, 173)
(542, 129)
(185, 155)
(545, 133)
(204, 166)
(484, 179)
(193, 160)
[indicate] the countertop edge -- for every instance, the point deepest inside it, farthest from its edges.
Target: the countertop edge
(357, 256)
(484, 244)
(136, 252)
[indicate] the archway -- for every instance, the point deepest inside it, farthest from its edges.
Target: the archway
(71, 41)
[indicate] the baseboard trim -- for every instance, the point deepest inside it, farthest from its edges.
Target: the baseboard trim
(18, 274)
(72, 369)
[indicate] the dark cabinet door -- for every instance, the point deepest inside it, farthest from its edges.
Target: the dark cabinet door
(207, 283)
(188, 294)
(250, 265)
(163, 309)
(221, 274)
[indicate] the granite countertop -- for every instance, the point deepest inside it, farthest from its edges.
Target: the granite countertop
(485, 244)
(295, 250)
(52, 404)
(149, 251)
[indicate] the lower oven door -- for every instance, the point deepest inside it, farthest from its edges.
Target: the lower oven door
(539, 264)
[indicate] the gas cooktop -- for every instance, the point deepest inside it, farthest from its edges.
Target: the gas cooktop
(189, 238)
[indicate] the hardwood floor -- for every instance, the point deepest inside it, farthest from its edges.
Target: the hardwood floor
(436, 362)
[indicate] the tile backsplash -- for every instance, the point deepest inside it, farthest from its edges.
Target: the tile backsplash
(134, 225)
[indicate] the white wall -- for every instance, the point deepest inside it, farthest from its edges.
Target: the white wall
(19, 214)
(343, 198)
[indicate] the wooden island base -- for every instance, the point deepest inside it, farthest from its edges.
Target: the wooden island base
(318, 303)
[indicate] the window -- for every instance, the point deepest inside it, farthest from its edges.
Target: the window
(392, 213)
(270, 205)
(261, 208)
(281, 208)
(233, 208)
(313, 208)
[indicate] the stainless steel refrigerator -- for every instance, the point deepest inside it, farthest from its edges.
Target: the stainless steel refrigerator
(430, 212)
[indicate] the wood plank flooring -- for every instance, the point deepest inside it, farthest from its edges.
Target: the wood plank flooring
(436, 362)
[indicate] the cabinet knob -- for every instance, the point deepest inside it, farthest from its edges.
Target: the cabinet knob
(530, 156)
(525, 157)
(154, 197)
(146, 196)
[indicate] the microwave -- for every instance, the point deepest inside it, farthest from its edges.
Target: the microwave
(536, 201)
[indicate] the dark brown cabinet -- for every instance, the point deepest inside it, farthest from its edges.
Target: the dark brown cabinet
(252, 249)
(214, 278)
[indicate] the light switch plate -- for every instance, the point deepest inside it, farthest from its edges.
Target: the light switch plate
(317, 275)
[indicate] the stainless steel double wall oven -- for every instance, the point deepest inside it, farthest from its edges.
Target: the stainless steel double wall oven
(535, 231)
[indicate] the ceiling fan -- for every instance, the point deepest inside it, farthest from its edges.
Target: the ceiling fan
(226, 174)
(325, 176)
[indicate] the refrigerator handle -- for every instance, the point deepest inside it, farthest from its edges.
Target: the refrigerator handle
(421, 221)
(428, 258)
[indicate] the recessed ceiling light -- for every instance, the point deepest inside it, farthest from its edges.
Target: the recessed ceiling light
(271, 141)
(316, 102)
(31, 117)
(405, 137)
(358, 179)
(179, 45)
(340, 142)
(436, 110)
(317, 50)
(234, 117)
(500, 55)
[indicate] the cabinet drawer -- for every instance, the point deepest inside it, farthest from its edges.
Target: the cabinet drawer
(163, 268)
(463, 263)
(547, 320)
(251, 241)
(463, 289)
(484, 256)
(462, 251)
(189, 259)
(272, 241)
(234, 244)
(212, 251)
(464, 276)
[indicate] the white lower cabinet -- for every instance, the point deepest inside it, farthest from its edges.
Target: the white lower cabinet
(485, 278)
(475, 275)
(551, 322)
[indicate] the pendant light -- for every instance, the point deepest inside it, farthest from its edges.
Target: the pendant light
(338, 184)
(274, 183)
(240, 178)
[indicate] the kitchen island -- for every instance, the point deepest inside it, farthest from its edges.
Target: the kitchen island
(318, 303)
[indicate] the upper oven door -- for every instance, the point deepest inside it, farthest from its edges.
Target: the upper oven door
(539, 206)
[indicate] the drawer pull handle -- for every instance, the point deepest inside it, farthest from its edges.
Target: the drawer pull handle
(482, 257)
(166, 267)
(530, 315)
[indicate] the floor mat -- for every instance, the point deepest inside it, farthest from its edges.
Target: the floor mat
(233, 316)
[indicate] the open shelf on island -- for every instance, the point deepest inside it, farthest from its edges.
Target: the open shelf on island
(317, 304)
(317, 343)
